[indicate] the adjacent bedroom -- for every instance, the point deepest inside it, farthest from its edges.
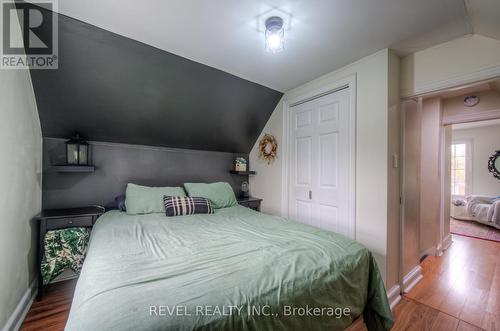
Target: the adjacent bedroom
(249, 165)
(475, 179)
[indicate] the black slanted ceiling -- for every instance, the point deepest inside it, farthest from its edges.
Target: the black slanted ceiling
(112, 88)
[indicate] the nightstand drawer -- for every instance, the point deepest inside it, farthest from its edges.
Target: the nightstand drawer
(69, 222)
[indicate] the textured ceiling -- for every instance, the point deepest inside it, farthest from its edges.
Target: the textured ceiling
(324, 35)
(111, 88)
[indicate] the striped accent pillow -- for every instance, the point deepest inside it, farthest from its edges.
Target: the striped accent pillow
(177, 206)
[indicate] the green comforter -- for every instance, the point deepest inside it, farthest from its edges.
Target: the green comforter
(235, 270)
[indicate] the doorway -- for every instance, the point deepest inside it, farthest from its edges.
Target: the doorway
(475, 190)
(437, 169)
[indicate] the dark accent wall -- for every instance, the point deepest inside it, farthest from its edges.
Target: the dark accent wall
(112, 88)
(118, 164)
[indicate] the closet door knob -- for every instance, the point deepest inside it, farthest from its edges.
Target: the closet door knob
(310, 195)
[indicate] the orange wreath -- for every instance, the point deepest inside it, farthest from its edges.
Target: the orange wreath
(268, 148)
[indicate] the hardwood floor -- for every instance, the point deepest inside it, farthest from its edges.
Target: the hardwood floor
(464, 283)
(460, 292)
(51, 313)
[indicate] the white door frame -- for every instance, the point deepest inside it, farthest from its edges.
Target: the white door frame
(347, 82)
(463, 80)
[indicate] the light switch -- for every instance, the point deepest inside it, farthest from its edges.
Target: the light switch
(395, 161)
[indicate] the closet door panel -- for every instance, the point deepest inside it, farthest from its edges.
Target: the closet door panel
(319, 159)
(300, 205)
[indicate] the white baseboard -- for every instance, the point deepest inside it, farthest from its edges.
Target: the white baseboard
(444, 244)
(17, 317)
(394, 295)
(412, 278)
(432, 251)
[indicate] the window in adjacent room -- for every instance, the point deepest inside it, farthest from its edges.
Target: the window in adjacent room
(461, 169)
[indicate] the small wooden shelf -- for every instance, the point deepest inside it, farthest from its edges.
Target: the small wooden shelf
(74, 168)
(243, 173)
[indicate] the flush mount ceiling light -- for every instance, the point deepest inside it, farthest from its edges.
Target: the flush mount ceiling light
(275, 34)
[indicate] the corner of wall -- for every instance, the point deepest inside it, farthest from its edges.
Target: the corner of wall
(393, 171)
(267, 184)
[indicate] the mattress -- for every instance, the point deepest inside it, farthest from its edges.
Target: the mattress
(237, 269)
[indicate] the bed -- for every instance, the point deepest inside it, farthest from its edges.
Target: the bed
(483, 209)
(237, 269)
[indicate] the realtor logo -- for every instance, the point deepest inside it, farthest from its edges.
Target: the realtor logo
(29, 35)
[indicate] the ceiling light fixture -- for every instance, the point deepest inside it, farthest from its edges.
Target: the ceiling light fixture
(275, 34)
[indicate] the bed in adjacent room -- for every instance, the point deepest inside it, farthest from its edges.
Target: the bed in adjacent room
(236, 269)
(478, 208)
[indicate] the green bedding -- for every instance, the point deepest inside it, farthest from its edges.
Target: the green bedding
(236, 269)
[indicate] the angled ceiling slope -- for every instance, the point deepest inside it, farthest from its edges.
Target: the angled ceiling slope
(114, 89)
(324, 35)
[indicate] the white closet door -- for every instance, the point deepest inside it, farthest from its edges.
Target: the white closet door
(319, 146)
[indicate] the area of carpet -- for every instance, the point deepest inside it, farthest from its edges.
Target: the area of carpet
(474, 230)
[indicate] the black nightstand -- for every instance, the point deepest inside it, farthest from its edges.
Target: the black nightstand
(250, 202)
(54, 219)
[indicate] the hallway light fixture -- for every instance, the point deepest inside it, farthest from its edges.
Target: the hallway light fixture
(275, 34)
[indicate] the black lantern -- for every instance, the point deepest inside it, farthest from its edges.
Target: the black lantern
(77, 151)
(244, 190)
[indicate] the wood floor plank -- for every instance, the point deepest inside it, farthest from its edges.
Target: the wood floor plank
(444, 322)
(491, 322)
(464, 326)
(475, 307)
(52, 312)
(464, 282)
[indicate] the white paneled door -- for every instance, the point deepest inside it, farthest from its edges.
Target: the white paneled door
(319, 147)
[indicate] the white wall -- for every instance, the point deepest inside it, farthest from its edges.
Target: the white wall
(393, 185)
(485, 141)
(450, 64)
(372, 155)
(267, 183)
(20, 186)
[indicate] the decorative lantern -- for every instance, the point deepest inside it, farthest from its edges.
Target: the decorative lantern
(77, 151)
(245, 190)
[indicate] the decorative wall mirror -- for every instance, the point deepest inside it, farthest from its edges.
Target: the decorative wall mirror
(494, 164)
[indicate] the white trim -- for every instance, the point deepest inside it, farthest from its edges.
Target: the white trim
(472, 117)
(442, 173)
(444, 245)
(350, 82)
(17, 317)
(431, 251)
(412, 278)
(394, 295)
(454, 81)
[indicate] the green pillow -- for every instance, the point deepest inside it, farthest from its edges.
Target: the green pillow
(220, 194)
(146, 200)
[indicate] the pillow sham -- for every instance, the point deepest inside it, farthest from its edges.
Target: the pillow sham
(147, 200)
(177, 206)
(220, 194)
